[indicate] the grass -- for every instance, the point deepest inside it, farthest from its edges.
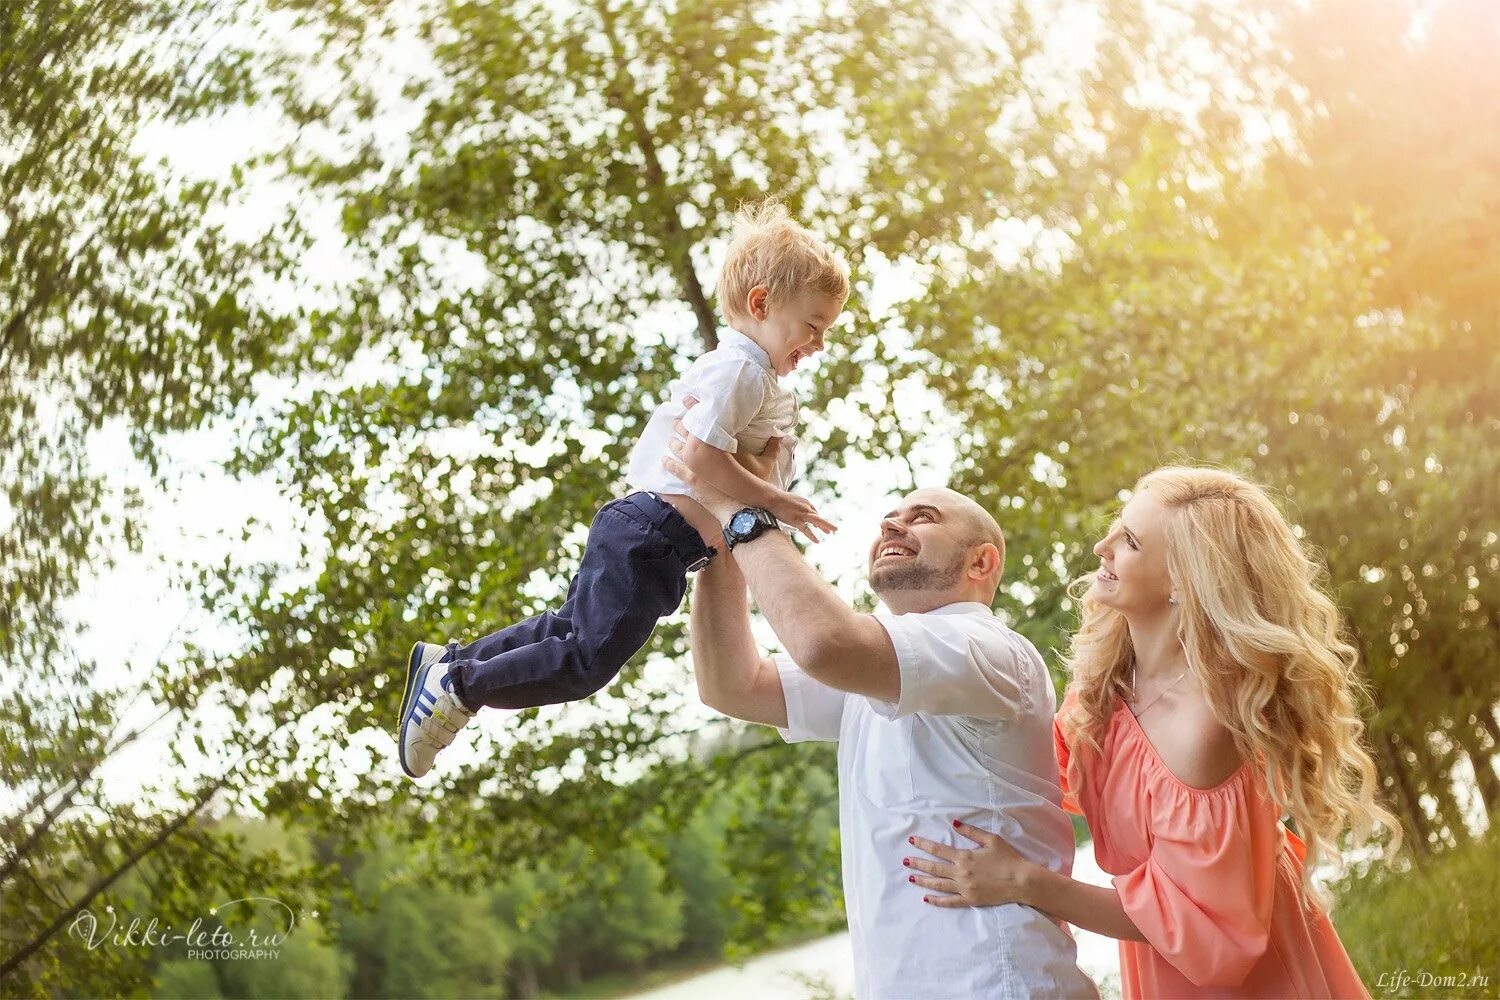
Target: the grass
(621, 984)
(1426, 931)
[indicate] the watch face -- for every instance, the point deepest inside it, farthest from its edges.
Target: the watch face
(742, 522)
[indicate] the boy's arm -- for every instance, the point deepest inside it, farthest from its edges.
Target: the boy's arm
(732, 676)
(720, 470)
(727, 475)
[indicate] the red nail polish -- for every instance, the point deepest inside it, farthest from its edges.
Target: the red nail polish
(911, 840)
(911, 878)
(906, 862)
(926, 900)
(957, 824)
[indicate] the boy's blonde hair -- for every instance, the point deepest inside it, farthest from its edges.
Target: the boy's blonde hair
(770, 249)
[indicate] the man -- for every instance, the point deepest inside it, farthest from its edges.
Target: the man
(941, 713)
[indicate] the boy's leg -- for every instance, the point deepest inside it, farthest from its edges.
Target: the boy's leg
(634, 572)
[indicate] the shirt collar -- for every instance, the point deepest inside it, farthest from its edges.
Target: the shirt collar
(738, 341)
(959, 608)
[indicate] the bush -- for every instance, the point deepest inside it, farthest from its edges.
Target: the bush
(1409, 931)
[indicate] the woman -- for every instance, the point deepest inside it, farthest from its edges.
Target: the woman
(1211, 694)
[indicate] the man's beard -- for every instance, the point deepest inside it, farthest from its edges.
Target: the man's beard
(912, 575)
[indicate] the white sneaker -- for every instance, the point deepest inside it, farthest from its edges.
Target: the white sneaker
(431, 714)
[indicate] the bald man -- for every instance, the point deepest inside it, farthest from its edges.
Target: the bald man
(941, 713)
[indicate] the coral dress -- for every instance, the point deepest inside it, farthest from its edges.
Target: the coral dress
(1208, 876)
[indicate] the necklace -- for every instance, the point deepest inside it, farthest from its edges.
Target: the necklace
(1138, 712)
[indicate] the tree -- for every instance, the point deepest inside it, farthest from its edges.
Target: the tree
(124, 303)
(1100, 283)
(411, 935)
(1197, 286)
(536, 249)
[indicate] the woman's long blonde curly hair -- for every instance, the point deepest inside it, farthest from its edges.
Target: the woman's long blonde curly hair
(1266, 644)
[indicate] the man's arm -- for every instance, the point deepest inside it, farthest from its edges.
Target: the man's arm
(826, 638)
(733, 677)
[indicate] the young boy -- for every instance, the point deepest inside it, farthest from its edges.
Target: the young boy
(780, 290)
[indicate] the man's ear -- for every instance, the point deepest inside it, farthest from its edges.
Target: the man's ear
(755, 302)
(985, 561)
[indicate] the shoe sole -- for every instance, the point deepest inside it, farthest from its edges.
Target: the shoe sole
(415, 678)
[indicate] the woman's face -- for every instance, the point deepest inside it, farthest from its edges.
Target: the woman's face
(1133, 577)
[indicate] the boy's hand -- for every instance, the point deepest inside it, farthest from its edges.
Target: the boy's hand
(799, 512)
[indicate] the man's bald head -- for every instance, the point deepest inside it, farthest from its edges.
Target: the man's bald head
(936, 547)
(980, 525)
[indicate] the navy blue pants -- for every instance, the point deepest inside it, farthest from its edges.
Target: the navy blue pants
(634, 572)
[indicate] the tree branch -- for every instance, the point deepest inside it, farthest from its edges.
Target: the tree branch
(626, 96)
(14, 961)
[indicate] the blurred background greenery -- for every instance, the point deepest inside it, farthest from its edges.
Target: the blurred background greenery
(420, 269)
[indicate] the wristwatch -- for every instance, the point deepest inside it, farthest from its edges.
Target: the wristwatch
(747, 524)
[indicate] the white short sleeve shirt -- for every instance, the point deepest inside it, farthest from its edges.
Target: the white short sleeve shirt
(741, 404)
(970, 738)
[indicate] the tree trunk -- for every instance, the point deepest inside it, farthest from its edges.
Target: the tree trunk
(1487, 759)
(1468, 737)
(1439, 781)
(626, 96)
(1484, 769)
(1409, 807)
(527, 985)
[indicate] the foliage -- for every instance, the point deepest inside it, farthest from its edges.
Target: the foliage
(123, 303)
(1200, 244)
(1458, 897)
(435, 927)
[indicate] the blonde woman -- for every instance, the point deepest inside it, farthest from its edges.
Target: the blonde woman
(1211, 695)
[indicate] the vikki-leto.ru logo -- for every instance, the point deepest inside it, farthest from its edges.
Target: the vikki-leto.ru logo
(200, 941)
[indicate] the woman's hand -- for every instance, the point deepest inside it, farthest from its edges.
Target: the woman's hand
(988, 875)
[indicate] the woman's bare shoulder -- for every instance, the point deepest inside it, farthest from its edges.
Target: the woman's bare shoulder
(1195, 746)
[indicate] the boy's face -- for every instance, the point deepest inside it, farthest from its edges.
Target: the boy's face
(791, 330)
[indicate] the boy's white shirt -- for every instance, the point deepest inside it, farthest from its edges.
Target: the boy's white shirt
(741, 404)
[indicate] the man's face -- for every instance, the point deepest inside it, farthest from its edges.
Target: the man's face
(922, 546)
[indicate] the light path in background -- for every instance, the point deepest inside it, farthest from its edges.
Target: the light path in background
(826, 966)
